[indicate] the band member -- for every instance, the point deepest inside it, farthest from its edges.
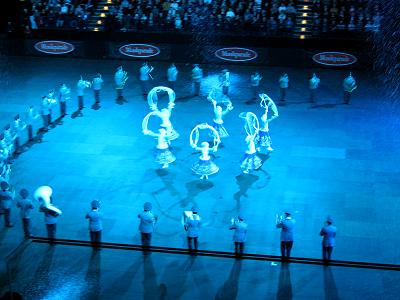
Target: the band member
(80, 89)
(9, 137)
(32, 116)
(95, 223)
(6, 199)
(26, 206)
(18, 127)
(286, 224)
(328, 232)
(172, 76)
(192, 227)
(313, 84)
(51, 213)
(5, 150)
(97, 85)
(283, 85)
(145, 76)
(197, 75)
(239, 237)
(250, 160)
(64, 97)
(255, 84)
(46, 109)
(146, 226)
(349, 85)
(162, 154)
(218, 122)
(224, 81)
(120, 79)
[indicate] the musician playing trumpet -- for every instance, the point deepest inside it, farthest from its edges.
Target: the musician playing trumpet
(120, 79)
(48, 102)
(80, 89)
(145, 76)
(97, 85)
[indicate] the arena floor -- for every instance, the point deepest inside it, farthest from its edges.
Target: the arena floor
(335, 159)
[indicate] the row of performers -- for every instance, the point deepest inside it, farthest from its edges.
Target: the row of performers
(257, 134)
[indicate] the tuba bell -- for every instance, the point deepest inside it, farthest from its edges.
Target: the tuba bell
(43, 195)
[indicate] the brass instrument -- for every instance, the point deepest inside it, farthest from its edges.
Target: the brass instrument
(43, 195)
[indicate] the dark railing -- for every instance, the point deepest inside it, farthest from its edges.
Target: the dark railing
(221, 254)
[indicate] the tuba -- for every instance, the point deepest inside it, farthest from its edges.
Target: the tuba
(43, 195)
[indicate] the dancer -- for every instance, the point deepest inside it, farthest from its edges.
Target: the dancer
(204, 166)
(120, 79)
(162, 154)
(97, 85)
(250, 160)
(165, 115)
(219, 113)
(80, 90)
(65, 95)
(263, 138)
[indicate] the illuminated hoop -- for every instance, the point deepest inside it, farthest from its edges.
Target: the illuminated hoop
(145, 122)
(267, 102)
(195, 135)
(251, 124)
(154, 91)
(212, 95)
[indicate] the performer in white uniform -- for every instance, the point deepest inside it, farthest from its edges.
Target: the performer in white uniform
(172, 76)
(120, 78)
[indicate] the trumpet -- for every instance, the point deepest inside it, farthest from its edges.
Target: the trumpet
(43, 195)
(278, 218)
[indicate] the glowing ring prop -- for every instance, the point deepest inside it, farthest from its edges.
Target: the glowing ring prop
(251, 125)
(203, 126)
(225, 99)
(154, 91)
(145, 122)
(267, 102)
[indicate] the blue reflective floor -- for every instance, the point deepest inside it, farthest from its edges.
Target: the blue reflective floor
(62, 272)
(328, 159)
